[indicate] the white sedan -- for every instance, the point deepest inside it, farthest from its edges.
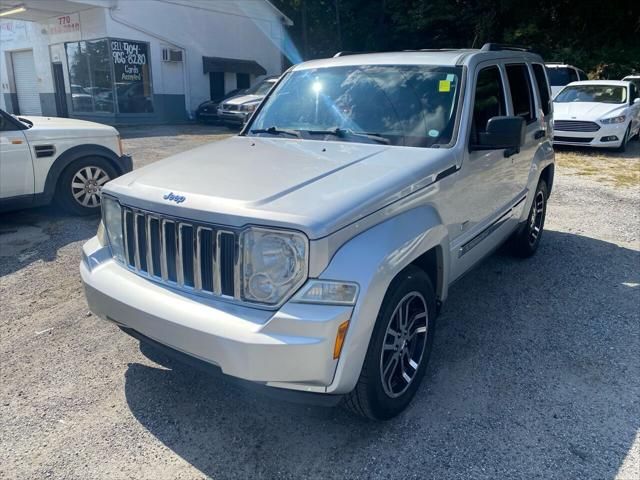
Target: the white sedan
(597, 113)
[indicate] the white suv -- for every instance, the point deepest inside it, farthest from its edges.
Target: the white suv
(47, 158)
(312, 252)
(561, 74)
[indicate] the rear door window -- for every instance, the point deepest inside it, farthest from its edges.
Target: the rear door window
(521, 92)
(543, 88)
(489, 100)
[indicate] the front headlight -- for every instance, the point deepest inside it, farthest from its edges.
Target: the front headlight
(248, 107)
(618, 119)
(112, 219)
(102, 235)
(274, 264)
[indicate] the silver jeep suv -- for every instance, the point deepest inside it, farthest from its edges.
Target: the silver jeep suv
(312, 252)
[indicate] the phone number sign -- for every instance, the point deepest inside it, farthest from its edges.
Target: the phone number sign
(128, 59)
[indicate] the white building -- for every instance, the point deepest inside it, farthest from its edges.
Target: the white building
(133, 61)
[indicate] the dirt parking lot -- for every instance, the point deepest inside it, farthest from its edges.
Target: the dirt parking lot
(535, 371)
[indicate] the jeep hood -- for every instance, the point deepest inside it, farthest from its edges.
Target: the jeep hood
(313, 186)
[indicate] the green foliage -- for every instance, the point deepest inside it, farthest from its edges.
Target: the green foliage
(603, 38)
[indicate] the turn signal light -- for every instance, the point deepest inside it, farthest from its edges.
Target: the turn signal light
(342, 332)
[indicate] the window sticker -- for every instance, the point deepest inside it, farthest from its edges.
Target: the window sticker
(434, 133)
(451, 77)
(444, 86)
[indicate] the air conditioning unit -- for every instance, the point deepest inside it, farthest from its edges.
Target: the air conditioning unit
(170, 55)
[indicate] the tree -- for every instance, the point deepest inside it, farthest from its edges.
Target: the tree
(603, 39)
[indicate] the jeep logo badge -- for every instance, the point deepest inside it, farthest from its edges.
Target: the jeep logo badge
(174, 198)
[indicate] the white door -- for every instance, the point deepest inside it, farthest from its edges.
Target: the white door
(16, 168)
(24, 74)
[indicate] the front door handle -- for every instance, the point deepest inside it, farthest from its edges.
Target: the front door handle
(509, 152)
(539, 134)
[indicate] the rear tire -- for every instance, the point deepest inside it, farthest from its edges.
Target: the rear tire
(79, 185)
(526, 240)
(399, 348)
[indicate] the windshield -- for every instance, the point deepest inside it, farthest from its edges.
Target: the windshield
(261, 88)
(561, 76)
(402, 105)
(592, 93)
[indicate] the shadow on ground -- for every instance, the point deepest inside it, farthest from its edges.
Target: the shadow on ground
(27, 236)
(534, 374)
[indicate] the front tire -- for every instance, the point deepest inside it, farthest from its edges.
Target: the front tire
(623, 146)
(399, 348)
(526, 241)
(79, 185)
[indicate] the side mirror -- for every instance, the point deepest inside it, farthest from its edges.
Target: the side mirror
(502, 132)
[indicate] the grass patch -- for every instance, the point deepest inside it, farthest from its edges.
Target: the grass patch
(619, 169)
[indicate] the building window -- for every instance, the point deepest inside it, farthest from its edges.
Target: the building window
(243, 81)
(90, 77)
(132, 76)
(110, 76)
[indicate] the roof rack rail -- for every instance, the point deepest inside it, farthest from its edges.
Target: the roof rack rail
(432, 50)
(495, 47)
(345, 53)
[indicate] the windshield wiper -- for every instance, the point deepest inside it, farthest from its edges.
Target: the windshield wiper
(278, 131)
(344, 133)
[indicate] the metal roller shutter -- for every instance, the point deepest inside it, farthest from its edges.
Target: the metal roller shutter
(24, 73)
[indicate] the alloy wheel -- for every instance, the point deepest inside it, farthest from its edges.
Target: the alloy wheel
(404, 344)
(86, 185)
(536, 218)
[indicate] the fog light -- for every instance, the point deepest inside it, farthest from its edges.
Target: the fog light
(342, 333)
(610, 138)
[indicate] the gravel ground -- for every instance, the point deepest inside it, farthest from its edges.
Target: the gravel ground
(535, 371)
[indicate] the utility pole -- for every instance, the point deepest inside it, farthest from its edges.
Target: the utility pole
(338, 25)
(305, 39)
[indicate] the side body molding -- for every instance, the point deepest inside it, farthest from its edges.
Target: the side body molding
(373, 259)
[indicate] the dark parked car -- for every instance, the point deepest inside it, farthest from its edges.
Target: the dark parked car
(236, 110)
(207, 111)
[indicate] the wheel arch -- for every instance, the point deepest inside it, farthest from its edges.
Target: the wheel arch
(71, 155)
(547, 175)
(373, 259)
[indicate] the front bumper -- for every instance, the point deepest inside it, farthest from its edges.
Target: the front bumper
(207, 115)
(290, 348)
(236, 118)
(592, 139)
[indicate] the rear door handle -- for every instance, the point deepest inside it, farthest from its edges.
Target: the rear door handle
(539, 134)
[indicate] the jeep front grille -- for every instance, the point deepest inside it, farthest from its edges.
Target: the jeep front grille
(575, 126)
(195, 257)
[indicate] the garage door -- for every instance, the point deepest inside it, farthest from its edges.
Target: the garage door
(24, 73)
